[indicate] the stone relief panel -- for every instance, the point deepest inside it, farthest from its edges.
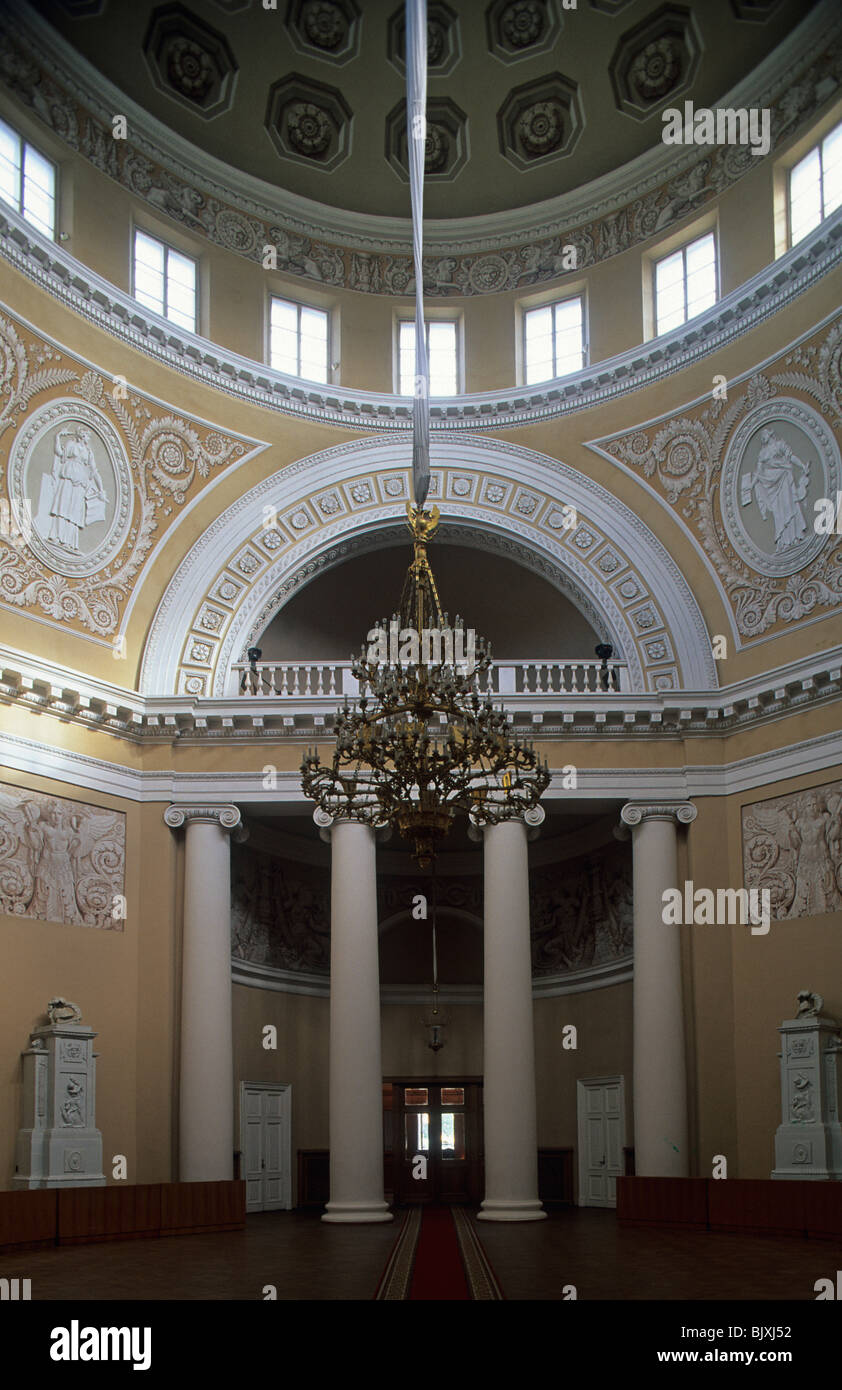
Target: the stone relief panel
(95, 472)
(792, 845)
(744, 473)
(581, 912)
(178, 192)
(60, 860)
(280, 912)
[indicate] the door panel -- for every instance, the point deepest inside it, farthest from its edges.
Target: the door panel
(441, 1122)
(265, 1139)
(601, 1123)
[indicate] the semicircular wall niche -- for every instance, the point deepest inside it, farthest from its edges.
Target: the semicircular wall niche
(493, 496)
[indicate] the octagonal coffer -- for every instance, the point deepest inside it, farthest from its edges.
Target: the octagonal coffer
(540, 121)
(309, 122)
(656, 61)
(447, 140)
(190, 61)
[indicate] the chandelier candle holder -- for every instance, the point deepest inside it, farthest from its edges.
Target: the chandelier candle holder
(421, 744)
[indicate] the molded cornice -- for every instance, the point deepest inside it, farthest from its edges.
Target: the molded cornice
(96, 299)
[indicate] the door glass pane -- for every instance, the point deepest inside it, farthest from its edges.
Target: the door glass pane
(452, 1135)
(417, 1133)
(453, 1095)
(415, 1095)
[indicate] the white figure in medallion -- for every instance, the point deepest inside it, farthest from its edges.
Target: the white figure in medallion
(72, 496)
(779, 483)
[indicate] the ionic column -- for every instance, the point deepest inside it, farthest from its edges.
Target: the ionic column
(511, 1135)
(660, 1079)
(356, 1073)
(206, 1083)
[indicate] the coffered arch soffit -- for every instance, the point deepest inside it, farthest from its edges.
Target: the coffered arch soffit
(493, 495)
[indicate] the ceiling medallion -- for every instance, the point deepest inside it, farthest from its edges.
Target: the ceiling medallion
(325, 28)
(309, 121)
(421, 744)
(443, 49)
(540, 120)
(655, 61)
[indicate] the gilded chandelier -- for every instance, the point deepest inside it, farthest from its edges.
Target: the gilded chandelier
(422, 744)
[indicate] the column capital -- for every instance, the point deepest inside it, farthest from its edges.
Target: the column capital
(226, 817)
(635, 812)
(532, 818)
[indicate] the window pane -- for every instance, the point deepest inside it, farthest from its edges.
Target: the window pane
(181, 270)
(453, 1095)
(805, 196)
(415, 1095)
(314, 324)
(538, 323)
(700, 254)
(417, 1133)
(284, 315)
(39, 208)
(453, 1135)
(832, 170)
(669, 271)
(39, 170)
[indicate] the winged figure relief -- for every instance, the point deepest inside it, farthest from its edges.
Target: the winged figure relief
(792, 847)
(58, 864)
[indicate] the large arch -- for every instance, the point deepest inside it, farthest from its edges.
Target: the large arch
(492, 494)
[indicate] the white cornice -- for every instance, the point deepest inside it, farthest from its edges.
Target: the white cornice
(772, 289)
(47, 688)
(459, 236)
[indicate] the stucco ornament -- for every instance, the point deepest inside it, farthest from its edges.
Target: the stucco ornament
(63, 1011)
(744, 476)
(93, 476)
(522, 23)
(309, 128)
(792, 846)
(60, 860)
(541, 127)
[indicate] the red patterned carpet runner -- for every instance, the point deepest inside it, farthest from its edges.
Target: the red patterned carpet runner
(437, 1256)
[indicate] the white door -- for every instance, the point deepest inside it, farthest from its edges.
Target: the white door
(265, 1141)
(601, 1115)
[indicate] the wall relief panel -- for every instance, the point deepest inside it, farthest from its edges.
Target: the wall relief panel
(744, 474)
(96, 472)
(581, 912)
(792, 845)
(280, 912)
(61, 860)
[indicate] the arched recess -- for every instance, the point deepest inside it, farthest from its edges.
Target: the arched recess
(492, 494)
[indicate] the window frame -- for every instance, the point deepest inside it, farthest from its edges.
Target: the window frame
(816, 146)
(553, 304)
(298, 305)
(436, 316)
(18, 205)
(683, 248)
(168, 247)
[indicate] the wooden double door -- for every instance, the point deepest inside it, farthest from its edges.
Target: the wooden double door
(433, 1128)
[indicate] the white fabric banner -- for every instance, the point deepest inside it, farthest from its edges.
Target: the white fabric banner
(416, 133)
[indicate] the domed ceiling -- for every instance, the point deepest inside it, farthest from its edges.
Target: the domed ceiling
(527, 99)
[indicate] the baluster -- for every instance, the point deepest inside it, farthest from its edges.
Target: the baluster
(319, 671)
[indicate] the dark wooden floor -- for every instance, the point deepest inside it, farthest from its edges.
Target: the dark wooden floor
(306, 1259)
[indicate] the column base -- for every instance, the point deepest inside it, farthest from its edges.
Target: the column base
(350, 1212)
(527, 1210)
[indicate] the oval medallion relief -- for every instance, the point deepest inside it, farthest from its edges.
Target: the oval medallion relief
(782, 459)
(68, 472)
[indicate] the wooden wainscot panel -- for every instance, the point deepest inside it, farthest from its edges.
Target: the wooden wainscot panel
(28, 1219)
(127, 1212)
(202, 1206)
(669, 1201)
(764, 1205)
(823, 1209)
(555, 1176)
(313, 1177)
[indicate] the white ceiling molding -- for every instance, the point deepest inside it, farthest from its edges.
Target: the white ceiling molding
(773, 288)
